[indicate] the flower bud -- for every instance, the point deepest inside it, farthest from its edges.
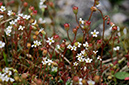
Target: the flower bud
(75, 10)
(75, 30)
(93, 8)
(39, 81)
(75, 78)
(25, 4)
(87, 24)
(24, 75)
(34, 36)
(37, 32)
(96, 78)
(56, 36)
(1, 3)
(114, 28)
(66, 26)
(28, 45)
(44, 52)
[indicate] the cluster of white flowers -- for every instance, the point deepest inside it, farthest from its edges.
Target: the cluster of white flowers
(21, 27)
(50, 40)
(8, 30)
(74, 47)
(116, 48)
(95, 33)
(41, 4)
(6, 75)
(47, 61)
(36, 43)
(2, 8)
(2, 44)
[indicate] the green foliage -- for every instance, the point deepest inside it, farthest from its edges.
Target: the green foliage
(121, 75)
(5, 59)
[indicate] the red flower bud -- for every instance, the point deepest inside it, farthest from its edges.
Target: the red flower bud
(31, 8)
(56, 36)
(75, 10)
(87, 24)
(75, 78)
(34, 12)
(25, 4)
(75, 30)
(1, 3)
(93, 8)
(66, 26)
(114, 28)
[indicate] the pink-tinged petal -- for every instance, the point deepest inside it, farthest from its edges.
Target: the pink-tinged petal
(126, 78)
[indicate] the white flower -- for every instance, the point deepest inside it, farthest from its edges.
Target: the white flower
(88, 60)
(58, 47)
(9, 29)
(18, 18)
(95, 33)
(34, 23)
(83, 52)
(80, 81)
(41, 21)
(2, 9)
(69, 46)
(26, 17)
(10, 12)
(6, 78)
(75, 63)
(41, 29)
(79, 44)
(50, 40)
(74, 48)
(1, 16)
(86, 45)
(90, 82)
(2, 44)
(95, 52)
(81, 21)
(49, 62)
(21, 27)
(12, 22)
(20, 15)
(79, 55)
(125, 31)
(99, 58)
(85, 68)
(36, 43)
(116, 48)
(111, 26)
(81, 59)
(118, 28)
(7, 32)
(11, 79)
(119, 33)
(54, 69)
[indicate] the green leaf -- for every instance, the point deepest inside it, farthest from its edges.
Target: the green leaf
(5, 59)
(121, 75)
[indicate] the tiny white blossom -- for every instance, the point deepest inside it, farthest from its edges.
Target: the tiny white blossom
(10, 12)
(26, 17)
(54, 69)
(81, 59)
(11, 79)
(88, 60)
(75, 63)
(41, 21)
(111, 26)
(125, 31)
(119, 34)
(116, 48)
(58, 47)
(99, 58)
(90, 82)
(79, 55)
(21, 27)
(20, 15)
(74, 48)
(34, 23)
(1, 16)
(95, 33)
(2, 9)
(2, 44)
(36, 43)
(86, 44)
(79, 44)
(12, 22)
(69, 46)
(50, 40)
(81, 21)
(95, 52)
(49, 62)
(80, 81)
